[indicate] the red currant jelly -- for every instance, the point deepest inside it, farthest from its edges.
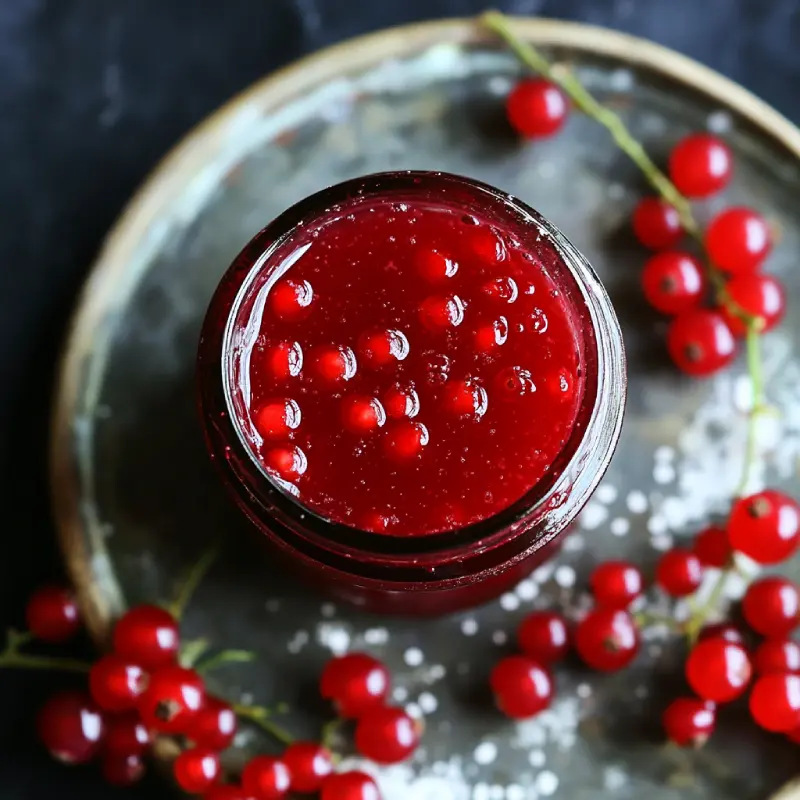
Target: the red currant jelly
(411, 383)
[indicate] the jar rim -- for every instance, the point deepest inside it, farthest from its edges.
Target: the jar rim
(548, 493)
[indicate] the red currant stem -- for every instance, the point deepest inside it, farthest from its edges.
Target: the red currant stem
(191, 651)
(645, 618)
(224, 657)
(190, 583)
(700, 614)
(260, 716)
(12, 658)
(753, 351)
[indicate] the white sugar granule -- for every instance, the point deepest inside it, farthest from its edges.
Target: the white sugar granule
(657, 525)
(497, 792)
(574, 542)
(593, 516)
(328, 610)
(427, 702)
(719, 122)
(620, 526)
(542, 574)
(485, 753)
(537, 758)
(413, 657)
(469, 626)
(414, 711)
(298, 642)
(614, 778)
(509, 602)
(499, 637)
(400, 694)
(606, 493)
(376, 636)
(664, 454)
(527, 590)
(636, 502)
(664, 473)
(583, 690)
(333, 636)
(546, 783)
(565, 576)
(515, 792)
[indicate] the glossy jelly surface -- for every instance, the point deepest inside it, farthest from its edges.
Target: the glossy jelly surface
(405, 368)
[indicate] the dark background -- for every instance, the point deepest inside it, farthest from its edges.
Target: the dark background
(92, 94)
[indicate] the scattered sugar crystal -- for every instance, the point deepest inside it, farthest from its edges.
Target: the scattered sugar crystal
(376, 636)
(414, 711)
(662, 542)
(546, 783)
(413, 657)
(565, 576)
(499, 85)
(469, 626)
(527, 590)
(335, 637)
(583, 690)
(437, 672)
(574, 543)
(542, 574)
(640, 692)
(509, 602)
(620, 526)
(621, 80)
(664, 453)
(537, 758)
(515, 792)
(497, 792)
(499, 637)
(614, 778)
(328, 610)
(485, 753)
(657, 524)
(273, 605)
(298, 641)
(664, 473)
(637, 502)
(719, 122)
(593, 516)
(400, 694)
(606, 493)
(480, 791)
(427, 702)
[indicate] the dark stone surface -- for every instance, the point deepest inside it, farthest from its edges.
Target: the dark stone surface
(92, 94)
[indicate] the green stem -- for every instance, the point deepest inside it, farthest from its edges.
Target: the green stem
(189, 586)
(24, 661)
(260, 716)
(225, 657)
(698, 619)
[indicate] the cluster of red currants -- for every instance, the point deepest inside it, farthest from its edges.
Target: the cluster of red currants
(700, 340)
(765, 527)
(140, 690)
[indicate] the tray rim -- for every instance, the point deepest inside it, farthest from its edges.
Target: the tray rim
(167, 179)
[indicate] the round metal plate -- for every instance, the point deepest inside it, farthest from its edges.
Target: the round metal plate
(136, 500)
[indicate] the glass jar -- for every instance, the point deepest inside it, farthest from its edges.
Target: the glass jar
(446, 570)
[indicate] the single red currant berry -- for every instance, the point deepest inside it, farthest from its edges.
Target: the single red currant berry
(718, 670)
(712, 547)
(354, 683)
(775, 702)
(290, 299)
(335, 364)
(283, 360)
(266, 778)
(384, 346)
(214, 725)
(777, 655)
(689, 721)
(405, 441)
(387, 735)
(700, 342)
(172, 699)
(759, 296)
(287, 462)
(772, 606)
(116, 684)
(121, 769)
(765, 526)
(656, 224)
(679, 572)
(147, 635)
(721, 630)
(276, 419)
(126, 734)
(503, 289)
(738, 240)
(52, 614)
(362, 414)
(700, 165)
(673, 282)
(197, 769)
(401, 401)
(491, 336)
(465, 399)
(309, 764)
(536, 108)
(71, 727)
(521, 686)
(616, 584)
(232, 791)
(378, 522)
(544, 635)
(513, 382)
(353, 785)
(607, 639)
(441, 313)
(434, 266)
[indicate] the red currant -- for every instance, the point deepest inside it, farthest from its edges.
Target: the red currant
(721, 630)
(700, 342)
(544, 635)
(276, 419)
(288, 463)
(126, 734)
(616, 584)
(775, 702)
(607, 639)
(772, 606)
(361, 414)
(435, 266)
(536, 108)
(383, 346)
(765, 526)
(712, 547)
(172, 699)
(284, 360)
(759, 296)
(405, 440)
(738, 240)
(679, 572)
(71, 727)
(718, 670)
(440, 313)
(122, 770)
(232, 791)
(401, 401)
(656, 224)
(52, 614)
(777, 655)
(354, 683)
(290, 299)
(266, 778)
(689, 721)
(115, 683)
(521, 686)
(700, 165)
(196, 770)
(335, 364)
(309, 764)
(214, 725)
(673, 282)
(387, 735)
(147, 635)
(350, 786)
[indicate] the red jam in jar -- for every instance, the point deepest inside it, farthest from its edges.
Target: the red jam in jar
(396, 377)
